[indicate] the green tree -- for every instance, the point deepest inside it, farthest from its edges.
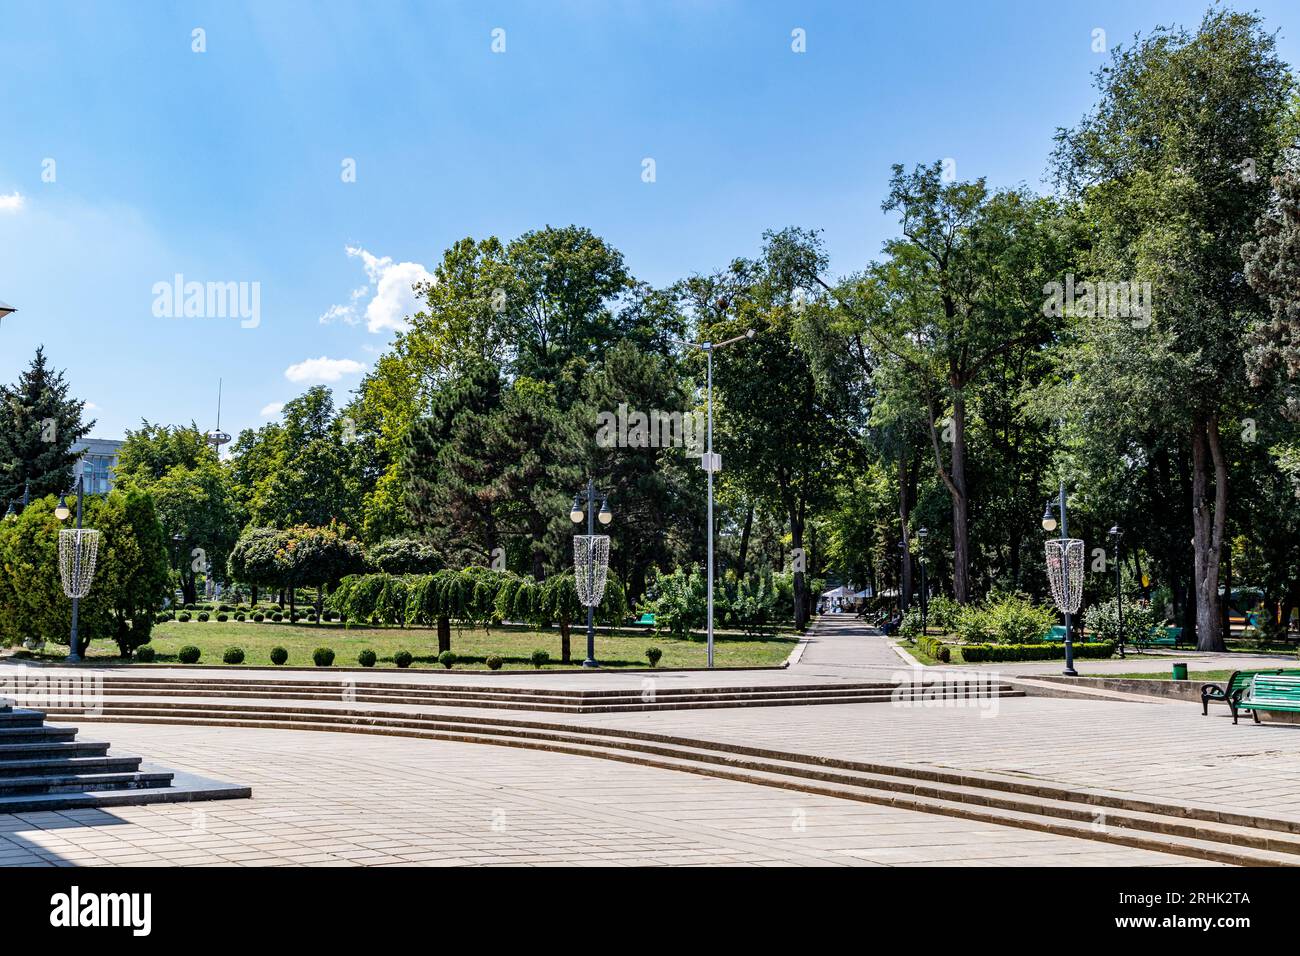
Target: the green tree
(39, 424)
(1171, 171)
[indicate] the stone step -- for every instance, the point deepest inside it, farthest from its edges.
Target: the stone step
(81, 782)
(67, 765)
(631, 701)
(184, 788)
(76, 748)
(20, 718)
(38, 734)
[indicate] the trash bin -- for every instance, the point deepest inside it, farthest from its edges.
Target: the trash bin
(1180, 672)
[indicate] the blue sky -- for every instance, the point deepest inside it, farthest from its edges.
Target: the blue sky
(226, 165)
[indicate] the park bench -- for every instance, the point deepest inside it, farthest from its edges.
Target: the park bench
(646, 620)
(1232, 692)
(1270, 692)
(1161, 636)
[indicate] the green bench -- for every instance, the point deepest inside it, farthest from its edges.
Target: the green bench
(1270, 692)
(1162, 637)
(646, 620)
(1055, 635)
(1231, 694)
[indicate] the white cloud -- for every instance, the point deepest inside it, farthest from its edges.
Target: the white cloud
(91, 407)
(12, 202)
(391, 287)
(273, 409)
(322, 370)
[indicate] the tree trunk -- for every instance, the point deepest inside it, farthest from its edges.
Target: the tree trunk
(320, 601)
(956, 485)
(801, 614)
(444, 634)
(744, 542)
(253, 590)
(904, 512)
(1207, 530)
(566, 654)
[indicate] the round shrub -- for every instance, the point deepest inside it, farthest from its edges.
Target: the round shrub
(239, 616)
(223, 618)
(145, 654)
(311, 617)
(943, 654)
(402, 658)
(323, 656)
(494, 662)
(279, 655)
(446, 659)
(277, 617)
(366, 658)
(189, 607)
(203, 617)
(539, 658)
(259, 617)
(189, 654)
(184, 617)
(233, 655)
(328, 616)
(652, 654)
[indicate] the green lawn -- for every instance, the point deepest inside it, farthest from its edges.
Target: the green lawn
(471, 645)
(1203, 676)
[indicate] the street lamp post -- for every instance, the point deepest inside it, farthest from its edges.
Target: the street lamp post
(12, 515)
(712, 464)
(605, 516)
(1050, 524)
(1117, 536)
(61, 512)
(921, 535)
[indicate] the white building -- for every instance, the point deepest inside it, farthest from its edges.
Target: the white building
(98, 457)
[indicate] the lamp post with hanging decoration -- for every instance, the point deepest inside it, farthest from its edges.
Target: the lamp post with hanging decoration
(1064, 570)
(78, 551)
(590, 558)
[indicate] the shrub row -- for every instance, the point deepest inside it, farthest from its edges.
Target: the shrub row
(981, 653)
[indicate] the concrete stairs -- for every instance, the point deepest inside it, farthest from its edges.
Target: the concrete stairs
(546, 700)
(44, 768)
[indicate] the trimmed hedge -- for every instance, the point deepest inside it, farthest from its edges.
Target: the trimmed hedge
(982, 653)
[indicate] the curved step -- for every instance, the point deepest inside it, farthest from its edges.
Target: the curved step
(1129, 822)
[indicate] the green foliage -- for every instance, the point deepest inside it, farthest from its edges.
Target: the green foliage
(233, 655)
(189, 654)
(942, 612)
(447, 659)
(653, 654)
(1005, 619)
(1103, 620)
(367, 658)
(404, 556)
(679, 602)
(494, 662)
(323, 657)
(539, 658)
(402, 658)
(145, 654)
(279, 655)
(910, 626)
(39, 424)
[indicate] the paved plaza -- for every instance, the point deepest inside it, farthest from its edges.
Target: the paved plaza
(328, 797)
(340, 799)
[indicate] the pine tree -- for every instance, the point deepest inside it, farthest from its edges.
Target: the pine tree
(39, 424)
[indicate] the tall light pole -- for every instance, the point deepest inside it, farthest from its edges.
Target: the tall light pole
(1050, 524)
(605, 516)
(711, 463)
(1117, 535)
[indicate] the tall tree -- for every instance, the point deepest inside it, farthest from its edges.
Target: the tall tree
(1171, 169)
(39, 424)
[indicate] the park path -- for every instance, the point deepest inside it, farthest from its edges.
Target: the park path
(843, 640)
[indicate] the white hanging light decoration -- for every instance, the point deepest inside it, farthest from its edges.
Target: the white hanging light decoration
(78, 551)
(590, 567)
(1065, 572)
